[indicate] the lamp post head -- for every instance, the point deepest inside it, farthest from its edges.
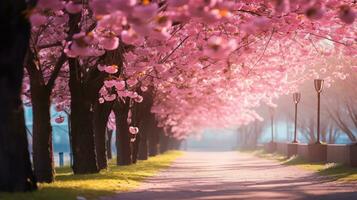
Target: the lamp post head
(296, 97)
(319, 83)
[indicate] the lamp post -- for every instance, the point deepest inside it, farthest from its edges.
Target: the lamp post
(318, 87)
(271, 109)
(296, 98)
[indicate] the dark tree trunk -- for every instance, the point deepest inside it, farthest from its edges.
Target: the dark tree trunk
(153, 140)
(101, 114)
(153, 147)
(175, 144)
(42, 135)
(145, 124)
(164, 142)
(135, 147)
(109, 143)
(42, 129)
(15, 167)
(82, 134)
(122, 133)
(85, 84)
(143, 143)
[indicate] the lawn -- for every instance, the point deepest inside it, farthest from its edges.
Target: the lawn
(108, 182)
(334, 171)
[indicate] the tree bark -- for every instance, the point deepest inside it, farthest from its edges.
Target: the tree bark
(174, 144)
(143, 143)
(164, 142)
(144, 124)
(42, 135)
(109, 144)
(101, 115)
(153, 138)
(42, 129)
(135, 147)
(84, 85)
(124, 152)
(15, 167)
(82, 134)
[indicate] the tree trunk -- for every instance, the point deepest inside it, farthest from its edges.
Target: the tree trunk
(174, 144)
(15, 167)
(122, 133)
(135, 147)
(164, 142)
(101, 114)
(82, 134)
(42, 135)
(109, 144)
(153, 140)
(145, 122)
(143, 143)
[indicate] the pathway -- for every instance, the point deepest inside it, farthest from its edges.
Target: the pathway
(236, 176)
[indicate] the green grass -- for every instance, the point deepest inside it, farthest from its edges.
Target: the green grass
(335, 171)
(108, 182)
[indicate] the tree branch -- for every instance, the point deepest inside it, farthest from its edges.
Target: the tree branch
(51, 82)
(173, 51)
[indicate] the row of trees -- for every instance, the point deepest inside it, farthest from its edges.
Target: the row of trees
(338, 109)
(163, 67)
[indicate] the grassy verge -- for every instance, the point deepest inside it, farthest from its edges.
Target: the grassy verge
(117, 178)
(334, 171)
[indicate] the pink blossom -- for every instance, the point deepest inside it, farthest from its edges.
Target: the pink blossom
(130, 37)
(37, 19)
(111, 97)
(73, 8)
(110, 83)
(101, 67)
(82, 45)
(138, 99)
(123, 5)
(59, 119)
(143, 88)
(101, 100)
(133, 130)
(145, 12)
(354, 68)
(281, 6)
(177, 3)
(111, 69)
(132, 95)
(131, 82)
(218, 47)
(262, 23)
(50, 4)
(119, 85)
(100, 7)
(109, 43)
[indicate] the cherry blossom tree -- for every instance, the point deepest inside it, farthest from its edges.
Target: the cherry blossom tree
(172, 68)
(15, 170)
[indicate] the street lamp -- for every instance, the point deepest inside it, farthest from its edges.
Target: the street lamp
(319, 83)
(271, 109)
(296, 98)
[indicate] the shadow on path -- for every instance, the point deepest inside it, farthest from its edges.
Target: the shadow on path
(232, 175)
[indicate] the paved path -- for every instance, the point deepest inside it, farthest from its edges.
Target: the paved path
(232, 175)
